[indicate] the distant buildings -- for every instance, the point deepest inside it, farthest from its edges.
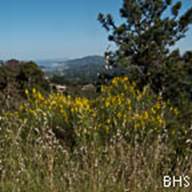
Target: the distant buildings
(59, 88)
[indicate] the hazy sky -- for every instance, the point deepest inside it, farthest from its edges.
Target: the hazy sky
(41, 29)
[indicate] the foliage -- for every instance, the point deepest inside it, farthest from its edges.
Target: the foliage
(15, 77)
(147, 32)
(64, 143)
(31, 76)
(143, 43)
(78, 71)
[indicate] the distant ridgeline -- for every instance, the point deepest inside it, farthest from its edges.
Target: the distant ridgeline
(80, 71)
(76, 71)
(16, 76)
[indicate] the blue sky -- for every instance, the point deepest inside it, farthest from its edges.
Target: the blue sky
(42, 29)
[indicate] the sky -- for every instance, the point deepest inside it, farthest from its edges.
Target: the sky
(50, 29)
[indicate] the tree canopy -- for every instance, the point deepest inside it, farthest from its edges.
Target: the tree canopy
(144, 43)
(148, 30)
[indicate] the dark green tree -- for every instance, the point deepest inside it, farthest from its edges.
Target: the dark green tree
(147, 29)
(29, 76)
(143, 40)
(3, 78)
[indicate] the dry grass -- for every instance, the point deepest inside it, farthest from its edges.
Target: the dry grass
(109, 154)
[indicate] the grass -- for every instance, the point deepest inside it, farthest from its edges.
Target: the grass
(124, 140)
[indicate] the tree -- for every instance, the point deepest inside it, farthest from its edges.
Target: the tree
(29, 75)
(3, 78)
(144, 39)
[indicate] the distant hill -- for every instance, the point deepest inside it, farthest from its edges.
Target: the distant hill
(49, 64)
(89, 60)
(83, 70)
(79, 71)
(59, 64)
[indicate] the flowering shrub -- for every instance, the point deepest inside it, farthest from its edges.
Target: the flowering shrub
(136, 115)
(63, 114)
(120, 110)
(63, 143)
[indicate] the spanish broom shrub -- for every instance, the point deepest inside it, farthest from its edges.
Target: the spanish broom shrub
(115, 142)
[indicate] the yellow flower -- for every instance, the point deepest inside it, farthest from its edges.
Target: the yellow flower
(34, 91)
(39, 96)
(145, 115)
(26, 92)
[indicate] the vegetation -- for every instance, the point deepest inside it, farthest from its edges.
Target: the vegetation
(143, 44)
(15, 77)
(78, 71)
(136, 130)
(115, 142)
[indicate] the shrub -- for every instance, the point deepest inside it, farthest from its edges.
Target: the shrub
(59, 142)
